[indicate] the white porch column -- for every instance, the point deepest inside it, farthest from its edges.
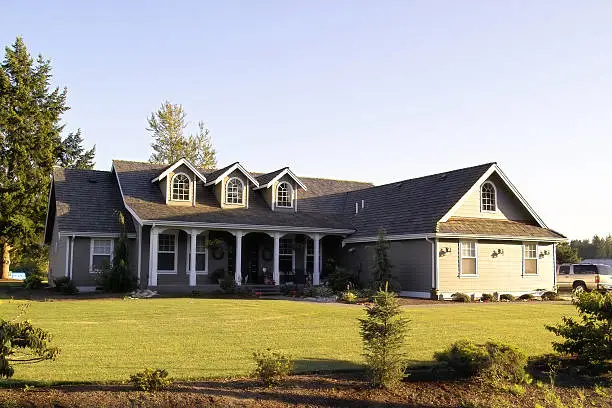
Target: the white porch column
(238, 271)
(153, 247)
(276, 271)
(316, 267)
(192, 260)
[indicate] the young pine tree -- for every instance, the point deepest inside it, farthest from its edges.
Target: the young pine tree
(382, 265)
(383, 332)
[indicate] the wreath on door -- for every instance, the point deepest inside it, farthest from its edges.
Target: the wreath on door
(218, 252)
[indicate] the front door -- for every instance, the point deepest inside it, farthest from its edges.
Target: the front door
(253, 263)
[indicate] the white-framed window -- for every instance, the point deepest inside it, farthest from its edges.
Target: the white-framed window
(101, 254)
(286, 258)
(201, 255)
(530, 259)
(180, 187)
(283, 195)
(309, 255)
(468, 258)
(234, 190)
(166, 253)
(488, 197)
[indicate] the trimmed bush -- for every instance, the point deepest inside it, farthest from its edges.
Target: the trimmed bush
(151, 380)
(341, 280)
(216, 275)
(491, 361)
(348, 297)
(486, 297)
(526, 296)
(32, 282)
(65, 286)
(507, 297)
(318, 291)
(550, 296)
(273, 367)
(461, 297)
(228, 283)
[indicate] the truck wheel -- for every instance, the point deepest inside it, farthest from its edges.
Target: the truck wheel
(579, 287)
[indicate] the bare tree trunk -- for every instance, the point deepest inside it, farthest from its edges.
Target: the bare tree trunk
(6, 260)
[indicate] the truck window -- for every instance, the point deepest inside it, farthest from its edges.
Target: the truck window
(583, 269)
(564, 270)
(604, 269)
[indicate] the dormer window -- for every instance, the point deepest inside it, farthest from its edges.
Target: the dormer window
(180, 187)
(488, 199)
(283, 195)
(234, 191)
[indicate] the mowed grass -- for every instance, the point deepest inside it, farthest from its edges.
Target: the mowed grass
(109, 339)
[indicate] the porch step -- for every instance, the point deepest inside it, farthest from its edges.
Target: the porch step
(266, 290)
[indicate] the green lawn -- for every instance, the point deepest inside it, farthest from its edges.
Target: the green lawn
(104, 340)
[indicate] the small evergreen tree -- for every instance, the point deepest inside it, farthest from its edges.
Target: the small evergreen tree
(383, 332)
(118, 277)
(591, 339)
(382, 265)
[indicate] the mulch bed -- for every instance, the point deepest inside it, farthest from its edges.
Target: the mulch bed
(334, 390)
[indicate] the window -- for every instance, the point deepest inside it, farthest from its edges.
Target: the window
(530, 259)
(584, 269)
(467, 263)
(180, 187)
(234, 191)
(310, 256)
(488, 197)
(101, 254)
(285, 259)
(283, 195)
(166, 253)
(201, 253)
(564, 270)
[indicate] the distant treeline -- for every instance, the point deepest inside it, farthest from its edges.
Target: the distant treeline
(597, 247)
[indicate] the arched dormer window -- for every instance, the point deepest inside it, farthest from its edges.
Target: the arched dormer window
(234, 191)
(488, 197)
(283, 195)
(180, 187)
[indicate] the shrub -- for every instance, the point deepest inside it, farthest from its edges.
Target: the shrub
(526, 296)
(151, 380)
(461, 297)
(366, 293)
(32, 282)
(318, 291)
(590, 339)
(118, 278)
(507, 297)
(486, 297)
(550, 296)
(216, 275)
(340, 280)
(272, 366)
(348, 297)
(228, 283)
(383, 333)
(493, 361)
(288, 289)
(65, 286)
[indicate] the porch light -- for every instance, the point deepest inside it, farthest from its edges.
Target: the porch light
(500, 251)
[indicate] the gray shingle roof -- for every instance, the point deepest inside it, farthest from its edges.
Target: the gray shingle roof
(266, 178)
(88, 201)
(485, 226)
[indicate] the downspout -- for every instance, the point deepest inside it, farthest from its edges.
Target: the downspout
(71, 256)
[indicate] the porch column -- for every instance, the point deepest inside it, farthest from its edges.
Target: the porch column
(238, 271)
(192, 259)
(316, 267)
(276, 271)
(153, 247)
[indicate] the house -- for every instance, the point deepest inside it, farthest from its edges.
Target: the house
(466, 230)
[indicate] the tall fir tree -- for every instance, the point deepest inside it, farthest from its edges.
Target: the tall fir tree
(71, 153)
(170, 143)
(382, 265)
(30, 112)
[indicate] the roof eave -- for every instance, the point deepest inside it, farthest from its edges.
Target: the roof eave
(236, 166)
(177, 164)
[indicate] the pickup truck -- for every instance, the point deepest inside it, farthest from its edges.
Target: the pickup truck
(581, 277)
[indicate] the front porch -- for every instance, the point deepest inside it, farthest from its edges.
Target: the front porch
(195, 259)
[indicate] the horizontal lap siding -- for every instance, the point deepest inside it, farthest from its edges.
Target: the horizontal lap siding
(501, 273)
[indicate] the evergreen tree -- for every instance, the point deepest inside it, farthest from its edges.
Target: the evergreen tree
(383, 332)
(30, 128)
(71, 153)
(170, 143)
(567, 254)
(382, 265)
(118, 277)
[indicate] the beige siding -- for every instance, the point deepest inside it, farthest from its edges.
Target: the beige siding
(502, 273)
(166, 186)
(245, 192)
(293, 185)
(508, 206)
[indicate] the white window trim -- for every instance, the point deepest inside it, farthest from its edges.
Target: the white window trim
(465, 275)
(306, 254)
(91, 250)
(172, 188)
(494, 197)
(173, 272)
(292, 253)
(188, 265)
(290, 192)
(528, 275)
(243, 198)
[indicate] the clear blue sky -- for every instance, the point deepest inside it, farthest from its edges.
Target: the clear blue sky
(368, 90)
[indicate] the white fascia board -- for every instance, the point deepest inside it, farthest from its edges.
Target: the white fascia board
(403, 237)
(89, 234)
(288, 172)
(493, 169)
(249, 227)
(395, 237)
(237, 166)
(177, 164)
(130, 210)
